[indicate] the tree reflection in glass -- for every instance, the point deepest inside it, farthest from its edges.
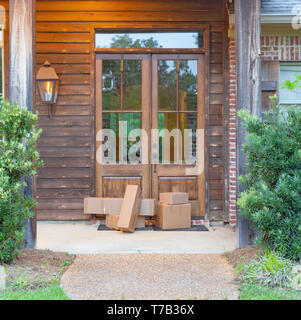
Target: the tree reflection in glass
(111, 92)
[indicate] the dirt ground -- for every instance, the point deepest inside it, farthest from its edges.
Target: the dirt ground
(36, 268)
(245, 254)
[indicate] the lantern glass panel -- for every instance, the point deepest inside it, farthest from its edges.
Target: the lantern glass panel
(48, 90)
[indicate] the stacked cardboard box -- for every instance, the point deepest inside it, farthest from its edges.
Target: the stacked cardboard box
(174, 211)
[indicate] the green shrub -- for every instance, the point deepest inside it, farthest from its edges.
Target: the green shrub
(269, 271)
(19, 159)
(272, 197)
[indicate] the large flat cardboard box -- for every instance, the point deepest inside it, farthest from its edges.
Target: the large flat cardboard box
(112, 221)
(113, 206)
(174, 216)
(93, 206)
(174, 197)
(130, 208)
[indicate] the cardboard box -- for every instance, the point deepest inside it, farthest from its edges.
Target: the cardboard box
(113, 206)
(148, 207)
(93, 206)
(130, 209)
(174, 197)
(174, 216)
(140, 222)
(112, 221)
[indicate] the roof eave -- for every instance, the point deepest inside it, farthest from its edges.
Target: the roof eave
(270, 18)
(276, 18)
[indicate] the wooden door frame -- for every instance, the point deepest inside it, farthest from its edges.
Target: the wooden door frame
(146, 26)
(178, 170)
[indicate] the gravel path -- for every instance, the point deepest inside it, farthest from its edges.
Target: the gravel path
(150, 277)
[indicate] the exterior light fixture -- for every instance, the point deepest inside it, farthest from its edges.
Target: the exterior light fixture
(48, 85)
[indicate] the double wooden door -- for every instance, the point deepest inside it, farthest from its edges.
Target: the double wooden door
(150, 125)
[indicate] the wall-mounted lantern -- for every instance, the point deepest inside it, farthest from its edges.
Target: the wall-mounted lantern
(48, 85)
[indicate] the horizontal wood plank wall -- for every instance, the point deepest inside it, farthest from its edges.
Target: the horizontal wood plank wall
(67, 143)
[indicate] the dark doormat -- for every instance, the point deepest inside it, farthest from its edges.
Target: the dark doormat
(103, 227)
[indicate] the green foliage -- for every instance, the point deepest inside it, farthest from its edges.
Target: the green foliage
(125, 41)
(272, 197)
(51, 292)
(270, 271)
(240, 269)
(292, 85)
(66, 263)
(19, 160)
(256, 292)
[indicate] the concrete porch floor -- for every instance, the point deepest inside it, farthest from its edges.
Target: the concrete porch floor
(83, 238)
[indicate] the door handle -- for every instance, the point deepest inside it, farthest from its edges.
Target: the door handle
(155, 168)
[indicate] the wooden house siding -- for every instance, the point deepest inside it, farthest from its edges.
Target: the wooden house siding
(64, 36)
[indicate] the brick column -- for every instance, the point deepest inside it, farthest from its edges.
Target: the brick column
(232, 133)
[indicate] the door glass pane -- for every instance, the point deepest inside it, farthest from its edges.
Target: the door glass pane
(167, 85)
(123, 124)
(188, 122)
(111, 121)
(167, 122)
(188, 85)
(133, 122)
(132, 85)
(111, 91)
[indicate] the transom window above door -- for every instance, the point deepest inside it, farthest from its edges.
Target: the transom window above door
(163, 40)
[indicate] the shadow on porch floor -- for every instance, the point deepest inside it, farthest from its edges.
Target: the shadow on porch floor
(82, 238)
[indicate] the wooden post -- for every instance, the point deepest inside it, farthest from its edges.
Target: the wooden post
(247, 27)
(21, 19)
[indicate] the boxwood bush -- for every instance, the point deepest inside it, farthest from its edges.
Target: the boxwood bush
(18, 160)
(272, 197)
